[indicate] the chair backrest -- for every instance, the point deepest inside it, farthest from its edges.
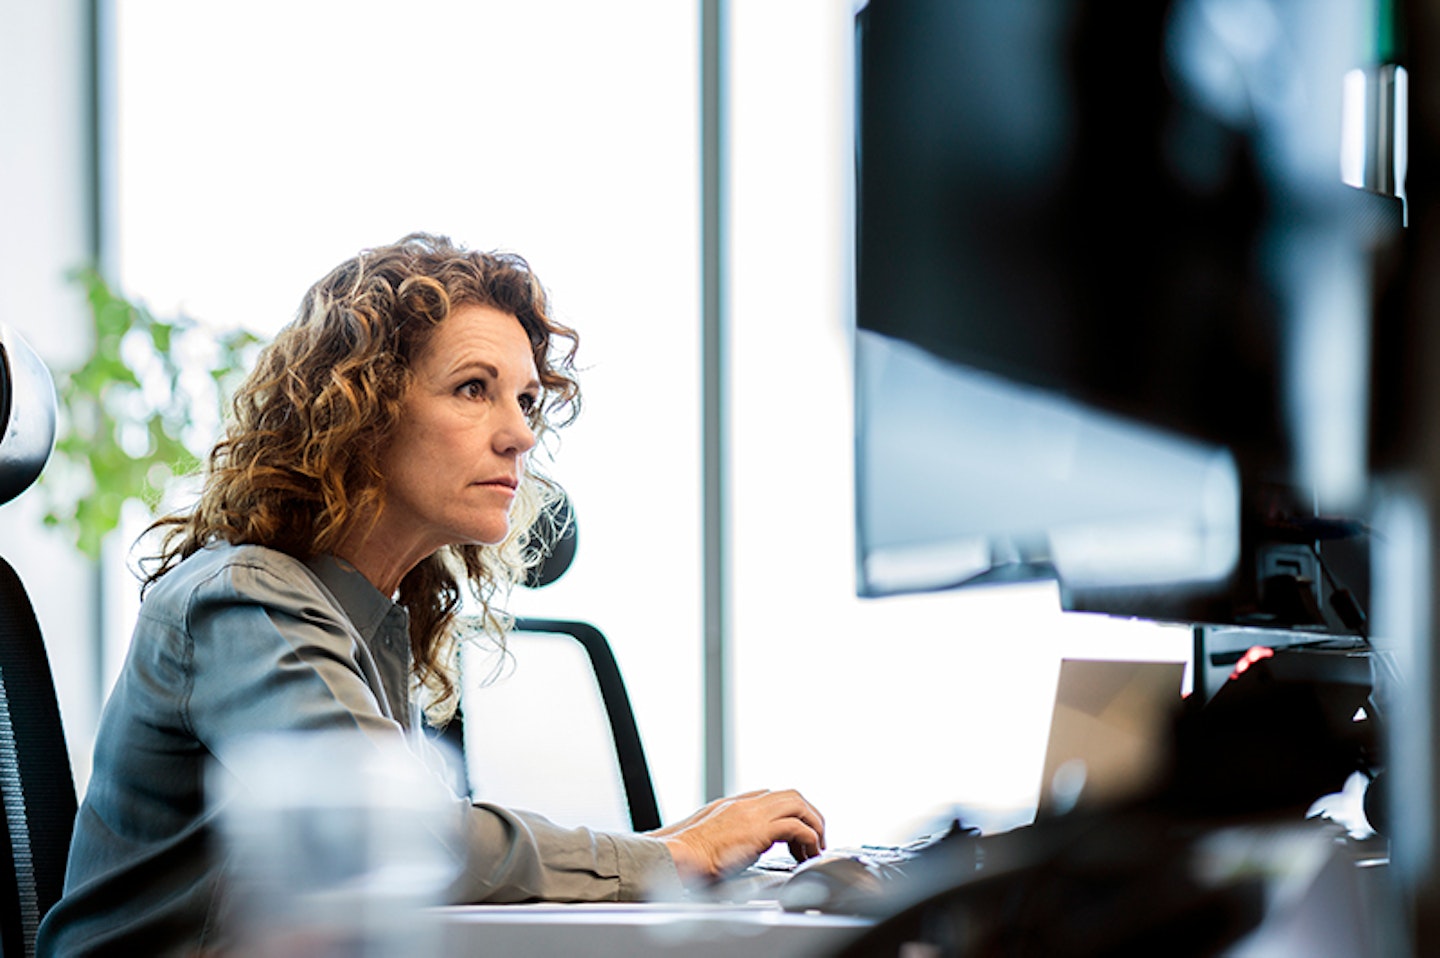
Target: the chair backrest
(550, 727)
(37, 790)
(27, 415)
(553, 731)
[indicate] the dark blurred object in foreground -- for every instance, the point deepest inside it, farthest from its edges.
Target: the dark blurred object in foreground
(1288, 729)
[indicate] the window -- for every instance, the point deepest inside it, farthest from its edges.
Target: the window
(259, 144)
(887, 713)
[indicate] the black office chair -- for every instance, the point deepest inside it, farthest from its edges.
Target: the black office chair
(559, 665)
(37, 790)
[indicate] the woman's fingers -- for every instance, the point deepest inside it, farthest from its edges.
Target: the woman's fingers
(807, 837)
(731, 833)
(707, 809)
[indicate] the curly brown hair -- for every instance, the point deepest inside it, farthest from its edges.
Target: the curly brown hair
(299, 464)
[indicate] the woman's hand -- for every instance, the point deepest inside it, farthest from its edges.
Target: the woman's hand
(730, 833)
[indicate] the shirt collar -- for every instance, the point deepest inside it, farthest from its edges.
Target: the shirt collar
(384, 629)
(366, 606)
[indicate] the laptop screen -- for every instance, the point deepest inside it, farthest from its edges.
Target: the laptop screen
(1108, 731)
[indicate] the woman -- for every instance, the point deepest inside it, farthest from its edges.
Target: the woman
(376, 456)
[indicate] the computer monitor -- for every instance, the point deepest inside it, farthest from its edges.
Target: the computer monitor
(1113, 304)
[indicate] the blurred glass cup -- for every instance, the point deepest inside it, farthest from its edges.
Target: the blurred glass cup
(336, 844)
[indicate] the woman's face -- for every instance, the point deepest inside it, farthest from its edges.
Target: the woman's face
(458, 452)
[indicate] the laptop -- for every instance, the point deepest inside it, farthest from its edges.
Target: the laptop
(1109, 731)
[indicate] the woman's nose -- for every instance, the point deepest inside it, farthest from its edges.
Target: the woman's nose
(515, 435)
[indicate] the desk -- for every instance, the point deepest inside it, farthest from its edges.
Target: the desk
(625, 930)
(1324, 898)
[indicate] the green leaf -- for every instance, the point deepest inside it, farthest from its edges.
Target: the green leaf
(107, 404)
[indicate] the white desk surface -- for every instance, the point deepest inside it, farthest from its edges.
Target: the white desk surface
(630, 930)
(1322, 902)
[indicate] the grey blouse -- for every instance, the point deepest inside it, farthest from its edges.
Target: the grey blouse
(239, 640)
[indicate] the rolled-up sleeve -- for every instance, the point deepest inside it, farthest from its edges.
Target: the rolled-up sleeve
(515, 856)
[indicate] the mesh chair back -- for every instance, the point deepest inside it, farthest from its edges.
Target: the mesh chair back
(37, 790)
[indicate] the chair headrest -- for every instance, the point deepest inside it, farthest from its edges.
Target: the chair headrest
(27, 414)
(554, 538)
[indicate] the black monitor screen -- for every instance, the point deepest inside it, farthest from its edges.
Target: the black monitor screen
(1111, 299)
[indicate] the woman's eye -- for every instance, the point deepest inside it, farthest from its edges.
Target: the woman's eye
(472, 389)
(529, 403)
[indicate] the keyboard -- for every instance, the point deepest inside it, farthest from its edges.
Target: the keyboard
(847, 880)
